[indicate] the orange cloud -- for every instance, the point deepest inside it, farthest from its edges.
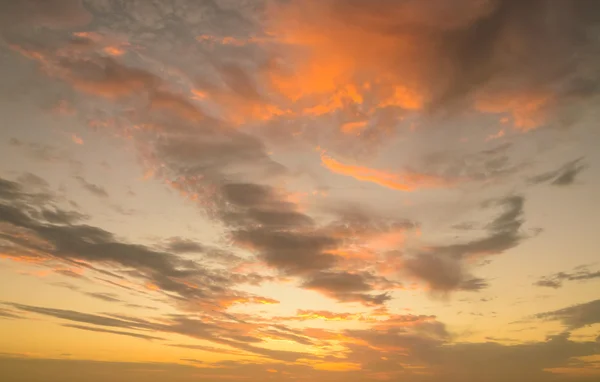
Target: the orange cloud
(408, 181)
(175, 104)
(498, 135)
(528, 110)
(327, 58)
(354, 128)
(114, 51)
(337, 366)
(303, 315)
(232, 300)
(76, 139)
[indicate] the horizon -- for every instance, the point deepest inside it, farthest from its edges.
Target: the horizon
(289, 190)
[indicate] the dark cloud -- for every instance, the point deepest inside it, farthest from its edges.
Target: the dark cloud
(180, 245)
(443, 273)
(117, 332)
(99, 191)
(185, 281)
(556, 280)
(5, 313)
(563, 176)
(494, 362)
(443, 268)
(249, 204)
(346, 287)
(192, 360)
(293, 253)
(54, 14)
(495, 163)
(57, 216)
(575, 316)
(87, 318)
(109, 297)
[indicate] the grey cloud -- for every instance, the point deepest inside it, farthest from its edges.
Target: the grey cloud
(180, 245)
(346, 287)
(192, 360)
(293, 253)
(31, 180)
(99, 191)
(443, 273)
(250, 204)
(44, 153)
(54, 14)
(442, 267)
(117, 332)
(556, 280)
(342, 282)
(72, 315)
(74, 243)
(480, 165)
(5, 313)
(563, 176)
(109, 297)
(575, 316)
(57, 216)
(494, 362)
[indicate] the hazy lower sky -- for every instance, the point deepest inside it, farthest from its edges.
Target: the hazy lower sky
(299, 190)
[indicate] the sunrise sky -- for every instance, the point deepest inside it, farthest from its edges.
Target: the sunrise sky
(299, 190)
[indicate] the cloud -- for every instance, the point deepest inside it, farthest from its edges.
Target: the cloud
(181, 245)
(179, 324)
(402, 182)
(443, 273)
(346, 287)
(442, 267)
(99, 191)
(45, 153)
(556, 280)
(576, 316)
(293, 253)
(563, 176)
(94, 248)
(434, 56)
(104, 77)
(117, 332)
(304, 315)
(109, 297)
(54, 14)
(479, 165)
(8, 314)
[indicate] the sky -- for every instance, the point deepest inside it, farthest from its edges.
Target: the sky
(299, 190)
